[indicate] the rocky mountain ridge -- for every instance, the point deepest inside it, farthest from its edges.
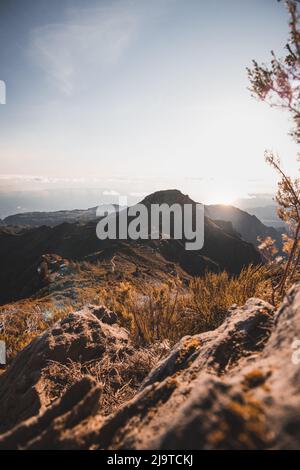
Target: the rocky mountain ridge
(21, 251)
(248, 226)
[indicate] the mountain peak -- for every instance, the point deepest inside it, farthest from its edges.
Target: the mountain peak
(167, 196)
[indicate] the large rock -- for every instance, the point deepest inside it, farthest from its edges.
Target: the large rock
(236, 387)
(34, 379)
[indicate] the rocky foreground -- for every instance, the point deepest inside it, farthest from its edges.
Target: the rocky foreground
(237, 387)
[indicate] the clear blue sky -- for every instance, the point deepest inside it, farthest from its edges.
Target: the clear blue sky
(137, 95)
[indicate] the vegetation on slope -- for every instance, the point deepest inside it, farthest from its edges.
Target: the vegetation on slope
(153, 313)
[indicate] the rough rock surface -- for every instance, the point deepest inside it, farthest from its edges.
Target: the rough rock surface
(31, 383)
(104, 314)
(234, 387)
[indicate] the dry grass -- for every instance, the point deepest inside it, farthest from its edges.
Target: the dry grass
(22, 321)
(120, 376)
(168, 312)
(165, 311)
(212, 295)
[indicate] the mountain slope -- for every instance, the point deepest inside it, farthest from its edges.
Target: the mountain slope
(21, 252)
(248, 226)
(268, 215)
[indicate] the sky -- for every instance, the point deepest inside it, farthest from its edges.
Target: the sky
(131, 96)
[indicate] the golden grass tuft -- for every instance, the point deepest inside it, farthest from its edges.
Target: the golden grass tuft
(170, 312)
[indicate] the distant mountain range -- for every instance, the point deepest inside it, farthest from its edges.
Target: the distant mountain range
(51, 219)
(21, 249)
(229, 218)
(267, 214)
(248, 226)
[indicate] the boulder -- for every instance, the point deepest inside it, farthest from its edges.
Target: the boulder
(236, 387)
(34, 379)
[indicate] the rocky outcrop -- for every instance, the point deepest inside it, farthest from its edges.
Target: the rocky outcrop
(35, 380)
(236, 387)
(185, 403)
(62, 425)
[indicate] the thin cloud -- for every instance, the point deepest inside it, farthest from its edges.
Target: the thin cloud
(84, 44)
(40, 179)
(110, 192)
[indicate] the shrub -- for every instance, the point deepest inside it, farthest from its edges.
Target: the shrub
(169, 312)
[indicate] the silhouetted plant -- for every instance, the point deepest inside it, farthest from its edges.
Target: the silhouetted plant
(279, 85)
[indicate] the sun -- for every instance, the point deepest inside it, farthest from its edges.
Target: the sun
(225, 198)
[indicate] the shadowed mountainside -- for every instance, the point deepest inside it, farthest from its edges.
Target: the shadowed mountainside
(21, 251)
(248, 226)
